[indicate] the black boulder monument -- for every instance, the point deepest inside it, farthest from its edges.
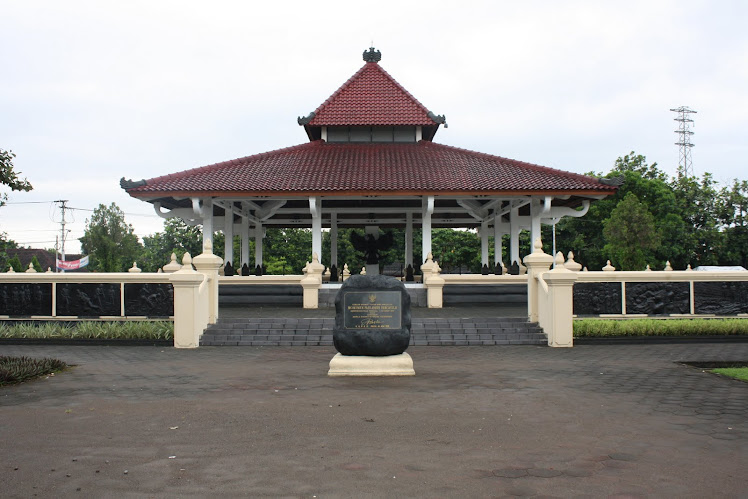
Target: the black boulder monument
(372, 316)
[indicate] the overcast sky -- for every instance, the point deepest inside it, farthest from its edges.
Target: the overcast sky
(94, 91)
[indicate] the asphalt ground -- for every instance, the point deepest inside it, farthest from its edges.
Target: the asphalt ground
(590, 421)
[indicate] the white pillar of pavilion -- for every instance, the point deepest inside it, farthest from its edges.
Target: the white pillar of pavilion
(427, 211)
(333, 239)
(514, 230)
(315, 209)
(228, 232)
(484, 242)
(207, 209)
(499, 229)
(535, 212)
(408, 239)
(245, 242)
(258, 244)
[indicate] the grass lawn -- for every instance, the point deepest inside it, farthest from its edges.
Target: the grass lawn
(740, 373)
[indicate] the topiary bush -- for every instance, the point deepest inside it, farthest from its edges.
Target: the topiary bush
(18, 369)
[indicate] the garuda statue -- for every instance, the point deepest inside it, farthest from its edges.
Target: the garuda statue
(370, 246)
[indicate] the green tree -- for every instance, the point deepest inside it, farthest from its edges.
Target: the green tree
(35, 262)
(699, 206)
(15, 262)
(8, 176)
(733, 215)
(585, 238)
(110, 241)
(286, 251)
(5, 245)
(456, 250)
(631, 234)
(177, 237)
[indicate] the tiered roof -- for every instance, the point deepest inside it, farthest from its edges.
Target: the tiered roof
(371, 97)
(319, 168)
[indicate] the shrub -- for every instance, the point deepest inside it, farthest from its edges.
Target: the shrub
(132, 330)
(18, 369)
(15, 262)
(659, 327)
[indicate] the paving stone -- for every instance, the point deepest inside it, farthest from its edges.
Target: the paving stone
(510, 473)
(543, 473)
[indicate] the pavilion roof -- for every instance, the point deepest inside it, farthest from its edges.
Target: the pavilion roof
(328, 169)
(371, 97)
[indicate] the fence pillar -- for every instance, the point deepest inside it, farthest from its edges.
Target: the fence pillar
(434, 282)
(536, 262)
(560, 304)
(208, 264)
(312, 282)
(188, 323)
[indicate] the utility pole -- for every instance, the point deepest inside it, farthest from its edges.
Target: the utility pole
(62, 202)
(685, 164)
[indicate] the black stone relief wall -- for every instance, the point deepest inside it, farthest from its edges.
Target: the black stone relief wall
(88, 300)
(721, 298)
(24, 299)
(595, 298)
(658, 298)
(149, 299)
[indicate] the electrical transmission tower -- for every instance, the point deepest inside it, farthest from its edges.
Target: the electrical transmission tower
(685, 163)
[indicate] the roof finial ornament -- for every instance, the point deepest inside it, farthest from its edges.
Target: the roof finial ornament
(372, 55)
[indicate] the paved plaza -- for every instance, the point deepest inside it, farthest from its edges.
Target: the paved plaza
(592, 421)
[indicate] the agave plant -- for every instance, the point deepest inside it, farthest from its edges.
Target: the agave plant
(19, 369)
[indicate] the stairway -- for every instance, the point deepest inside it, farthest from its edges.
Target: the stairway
(248, 331)
(485, 294)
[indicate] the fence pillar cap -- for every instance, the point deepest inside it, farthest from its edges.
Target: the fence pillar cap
(538, 258)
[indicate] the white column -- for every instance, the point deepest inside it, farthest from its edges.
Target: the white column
(535, 209)
(498, 250)
(228, 232)
(428, 209)
(514, 236)
(208, 221)
(258, 244)
(409, 239)
(484, 242)
(333, 240)
(315, 208)
(245, 243)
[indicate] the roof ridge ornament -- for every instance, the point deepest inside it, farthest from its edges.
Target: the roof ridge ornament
(306, 119)
(130, 184)
(614, 181)
(372, 56)
(438, 118)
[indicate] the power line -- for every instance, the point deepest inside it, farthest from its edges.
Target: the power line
(124, 212)
(29, 202)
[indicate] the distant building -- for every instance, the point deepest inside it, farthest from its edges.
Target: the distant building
(46, 258)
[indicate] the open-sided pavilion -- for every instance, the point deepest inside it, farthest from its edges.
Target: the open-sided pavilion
(371, 162)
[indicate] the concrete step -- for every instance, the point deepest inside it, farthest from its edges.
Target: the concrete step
(318, 332)
(260, 294)
(461, 294)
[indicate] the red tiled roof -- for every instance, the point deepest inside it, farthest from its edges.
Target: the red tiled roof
(371, 97)
(385, 169)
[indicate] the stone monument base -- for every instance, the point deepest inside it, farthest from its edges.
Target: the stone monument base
(364, 365)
